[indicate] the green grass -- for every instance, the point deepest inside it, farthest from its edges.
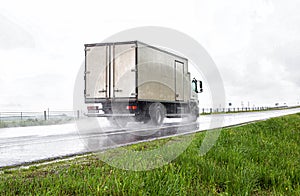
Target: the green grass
(33, 122)
(255, 159)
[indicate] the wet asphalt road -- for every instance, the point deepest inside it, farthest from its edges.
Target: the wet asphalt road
(27, 144)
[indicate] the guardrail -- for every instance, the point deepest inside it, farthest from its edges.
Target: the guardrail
(241, 109)
(42, 115)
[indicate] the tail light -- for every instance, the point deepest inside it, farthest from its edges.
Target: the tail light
(131, 107)
(92, 107)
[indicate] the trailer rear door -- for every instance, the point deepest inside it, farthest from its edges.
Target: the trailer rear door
(96, 72)
(124, 69)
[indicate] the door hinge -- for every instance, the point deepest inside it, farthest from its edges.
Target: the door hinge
(118, 91)
(133, 70)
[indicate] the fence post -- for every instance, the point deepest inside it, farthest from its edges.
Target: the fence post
(210, 110)
(21, 116)
(78, 114)
(45, 115)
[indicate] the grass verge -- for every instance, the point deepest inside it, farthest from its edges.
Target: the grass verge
(34, 122)
(255, 159)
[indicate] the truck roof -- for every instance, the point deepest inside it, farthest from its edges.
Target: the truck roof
(134, 42)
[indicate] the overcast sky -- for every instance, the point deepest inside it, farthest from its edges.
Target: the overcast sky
(255, 44)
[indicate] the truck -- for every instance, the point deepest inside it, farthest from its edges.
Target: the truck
(133, 81)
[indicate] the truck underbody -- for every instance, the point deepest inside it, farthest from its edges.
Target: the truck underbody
(152, 112)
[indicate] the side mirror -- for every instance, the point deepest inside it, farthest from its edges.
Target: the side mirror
(195, 86)
(200, 87)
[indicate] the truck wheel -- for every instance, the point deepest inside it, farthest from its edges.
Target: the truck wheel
(157, 113)
(193, 115)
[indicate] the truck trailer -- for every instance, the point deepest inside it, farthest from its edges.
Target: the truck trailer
(126, 81)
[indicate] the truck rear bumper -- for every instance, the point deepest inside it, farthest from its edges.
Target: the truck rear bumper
(109, 115)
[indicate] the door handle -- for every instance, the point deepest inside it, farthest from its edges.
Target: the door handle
(118, 90)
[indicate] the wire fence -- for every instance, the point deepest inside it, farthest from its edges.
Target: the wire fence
(67, 115)
(239, 109)
(41, 115)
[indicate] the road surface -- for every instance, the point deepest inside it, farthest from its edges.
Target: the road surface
(28, 144)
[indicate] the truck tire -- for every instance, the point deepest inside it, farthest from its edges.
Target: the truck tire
(157, 113)
(193, 115)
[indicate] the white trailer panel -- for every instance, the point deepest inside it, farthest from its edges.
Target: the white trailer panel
(95, 72)
(158, 72)
(135, 70)
(124, 78)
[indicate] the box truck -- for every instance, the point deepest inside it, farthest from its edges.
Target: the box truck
(131, 80)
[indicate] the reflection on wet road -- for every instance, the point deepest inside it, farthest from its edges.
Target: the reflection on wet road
(27, 144)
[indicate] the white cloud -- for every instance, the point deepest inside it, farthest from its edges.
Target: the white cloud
(255, 44)
(251, 44)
